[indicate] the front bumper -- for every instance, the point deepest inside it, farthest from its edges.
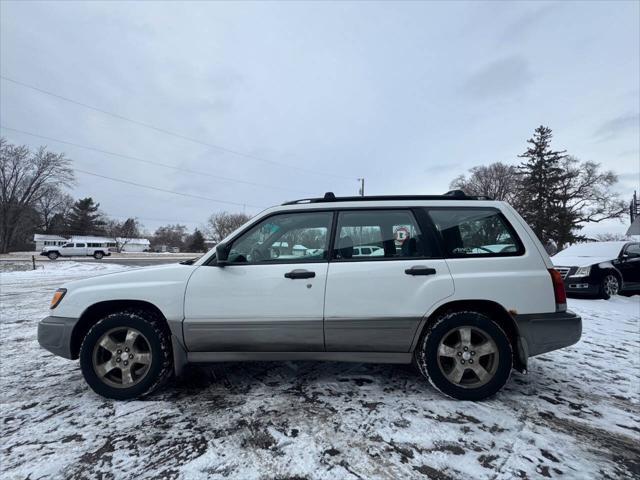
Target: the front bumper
(54, 334)
(581, 286)
(544, 332)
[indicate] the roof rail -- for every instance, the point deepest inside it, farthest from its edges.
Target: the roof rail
(330, 197)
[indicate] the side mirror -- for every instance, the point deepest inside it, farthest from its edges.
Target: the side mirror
(222, 254)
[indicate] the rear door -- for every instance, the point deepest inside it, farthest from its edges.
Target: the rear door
(375, 302)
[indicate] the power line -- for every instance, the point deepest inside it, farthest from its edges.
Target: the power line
(168, 132)
(150, 187)
(150, 162)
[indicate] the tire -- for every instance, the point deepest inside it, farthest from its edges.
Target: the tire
(609, 286)
(98, 255)
(483, 374)
(53, 255)
(149, 354)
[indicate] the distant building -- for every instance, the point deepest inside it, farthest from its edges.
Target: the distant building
(130, 244)
(43, 240)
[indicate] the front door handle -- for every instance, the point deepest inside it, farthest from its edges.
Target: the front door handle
(420, 270)
(299, 273)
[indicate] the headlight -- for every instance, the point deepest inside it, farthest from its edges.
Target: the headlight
(57, 297)
(582, 272)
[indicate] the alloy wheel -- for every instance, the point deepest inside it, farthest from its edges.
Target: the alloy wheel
(122, 357)
(611, 285)
(468, 357)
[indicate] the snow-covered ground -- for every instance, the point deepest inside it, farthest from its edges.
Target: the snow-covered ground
(575, 415)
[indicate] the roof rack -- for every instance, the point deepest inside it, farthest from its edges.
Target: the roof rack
(330, 197)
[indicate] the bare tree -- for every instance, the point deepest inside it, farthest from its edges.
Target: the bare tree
(24, 178)
(497, 180)
(585, 196)
(170, 235)
(221, 224)
(611, 237)
(53, 202)
(122, 233)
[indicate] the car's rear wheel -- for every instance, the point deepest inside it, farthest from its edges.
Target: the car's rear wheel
(609, 286)
(465, 355)
(126, 355)
(98, 255)
(52, 255)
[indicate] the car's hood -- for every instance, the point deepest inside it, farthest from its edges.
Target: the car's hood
(568, 261)
(159, 274)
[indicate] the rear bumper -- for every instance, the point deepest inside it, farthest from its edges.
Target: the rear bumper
(544, 332)
(54, 334)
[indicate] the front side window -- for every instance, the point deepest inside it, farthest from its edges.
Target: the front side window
(288, 237)
(68, 245)
(475, 232)
(379, 234)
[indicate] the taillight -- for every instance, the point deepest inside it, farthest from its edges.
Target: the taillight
(558, 290)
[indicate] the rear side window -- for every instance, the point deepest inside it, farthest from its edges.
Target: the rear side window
(476, 232)
(372, 235)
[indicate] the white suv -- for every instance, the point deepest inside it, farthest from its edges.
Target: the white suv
(443, 294)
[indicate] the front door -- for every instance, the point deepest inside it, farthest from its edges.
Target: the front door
(68, 250)
(270, 297)
(629, 266)
(376, 301)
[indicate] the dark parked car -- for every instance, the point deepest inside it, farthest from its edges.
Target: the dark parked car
(600, 269)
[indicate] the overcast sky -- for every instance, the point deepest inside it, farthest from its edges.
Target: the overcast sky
(315, 95)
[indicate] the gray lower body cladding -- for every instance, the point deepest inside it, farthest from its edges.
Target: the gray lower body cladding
(389, 335)
(54, 334)
(544, 332)
(359, 340)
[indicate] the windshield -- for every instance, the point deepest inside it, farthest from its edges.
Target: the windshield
(596, 249)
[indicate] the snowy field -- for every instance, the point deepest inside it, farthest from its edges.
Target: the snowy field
(575, 415)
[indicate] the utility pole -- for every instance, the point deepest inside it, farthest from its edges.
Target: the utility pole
(361, 191)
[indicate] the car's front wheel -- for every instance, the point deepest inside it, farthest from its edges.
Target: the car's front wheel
(465, 355)
(52, 255)
(609, 286)
(126, 355)
(98, 255)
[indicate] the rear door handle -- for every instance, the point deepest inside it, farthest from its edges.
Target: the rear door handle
(299, 273)
(420, 270)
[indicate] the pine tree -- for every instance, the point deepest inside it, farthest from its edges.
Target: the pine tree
(541, 179)
(85, 218)
(196, 242)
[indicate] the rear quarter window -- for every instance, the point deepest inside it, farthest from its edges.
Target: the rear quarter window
(475, 232)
